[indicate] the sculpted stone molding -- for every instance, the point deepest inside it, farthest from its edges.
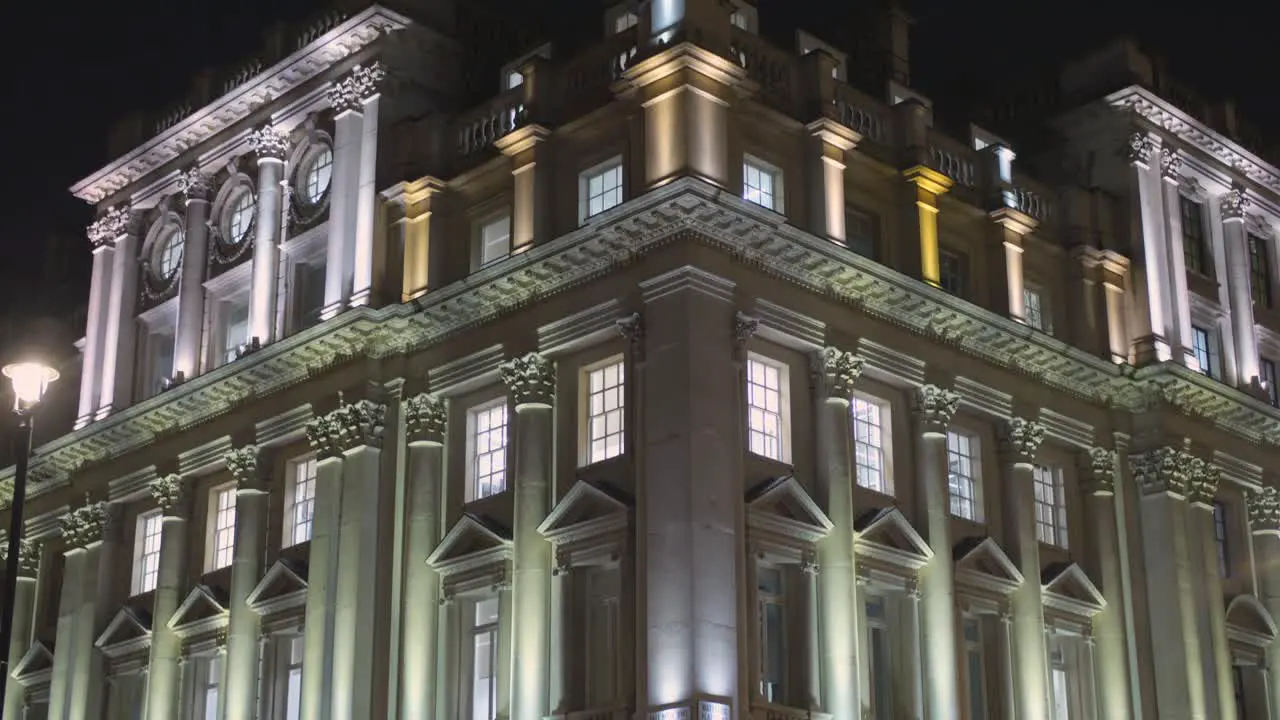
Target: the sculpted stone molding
(245, 465)
(531, 378)
(171, 493)
(632, 328)
(1100, 469)
(28, 557)
(935, 406)
(1162, 470)
(350, 93)
(744, 328)
(351, 426)
(1170, 164)
(117, 221)
(1139, 148)
(1234, 203)
(1264, 510)
(269, 143)
(1023, 438)
(839, 370)
(424, 417)
(1203, 478)
(85, 525)
(195, 184)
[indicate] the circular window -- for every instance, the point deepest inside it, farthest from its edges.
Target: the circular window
(316, 173)
(168, 255)
(239, 217)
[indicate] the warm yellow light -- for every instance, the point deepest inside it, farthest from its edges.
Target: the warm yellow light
(30, 380)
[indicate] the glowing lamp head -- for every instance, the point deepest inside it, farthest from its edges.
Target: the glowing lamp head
(30, 380)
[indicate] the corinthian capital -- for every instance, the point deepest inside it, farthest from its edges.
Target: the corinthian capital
(195, 184)
(839, 370)
(1203, 478)
(1139, 147)
(1233, 204)
(171, 493)
(113, 224)
(424, 417)
(1264, 510)
(531, 379)
(1161, 470)
(1023, 438)
(351, 426)
(245, 465)
(28, 557)
(1100, 471)
(85, 525)
(269, 143)
(351, 92)
(935, 406)
(1170, 164)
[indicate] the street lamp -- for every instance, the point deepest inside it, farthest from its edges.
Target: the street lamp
(30, 380)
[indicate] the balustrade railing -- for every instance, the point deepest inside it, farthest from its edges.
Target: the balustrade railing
(953, 159)
(777, 71)
(597, 68)
(480, 127)
(1026, 196)
(768, 711)
(863, 113)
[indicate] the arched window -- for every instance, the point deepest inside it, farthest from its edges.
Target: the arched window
(317, 171)
(168, 255)
(239, 217)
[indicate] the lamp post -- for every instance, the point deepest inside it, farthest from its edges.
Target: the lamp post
(30, 380)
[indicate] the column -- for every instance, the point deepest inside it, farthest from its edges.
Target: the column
(163, 690)
(1146, 224)
(244, 628)
(270, 146)
(1008, 671)
(563, 686)
(424, 428)
(934, 408)
(532, 383)
(927, 186)
(836, 372)
(1180, 305)
(325, 436)
(117, 343)
(450, 623)
(829, 141)
(1264, 523)
(24, 610)
(690, 493)
(186, 352)
(813, 638)
(358, 605)
(421, 232)
(1203, 478)
(1233, 204)
(530, 172)
(1115, 271)
(102, 238)
(1022, 441)
(913, 697)
(1011, 227)
(366, 84)
(1102, 561)
(1180, 692)
(76, 686)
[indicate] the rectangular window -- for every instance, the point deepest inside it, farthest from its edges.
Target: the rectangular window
(1220, 538)
(235, 330)
(762, 184)
(771, 608)
(975, 668)
(146, 552)
(1035, 311)
(222, 509)
(1267, 368)
(766, 408)
(606, 414)
(484, 660)
(308, 294)
(1205, 345)
(300, 501)
(881, 659)
(293, 679)
(207, 688)
(953, 272)
(962, 475)
(1259, 271)
(161, 362)
(600, 189)
(861, 231)
(487, 437)
(1193, 245)
(1061, 694)
(1051, 506)
(495, 239)
(869, 443)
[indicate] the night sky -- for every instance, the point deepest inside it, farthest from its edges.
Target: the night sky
(74, 68)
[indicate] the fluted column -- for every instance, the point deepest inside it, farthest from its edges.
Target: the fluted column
(1203, 478)
(117, 345)
(325, 434)
(935, 407)
(1103, 563)
(829, 141)
(270, 146)
(24, 610)
(240, 671)
(1264, 523)
(1031, 675)
(424, 429)
(1148, 251)
(1180, 322)
(1176, 648)
(531, 382)
(349, 268)
(171, 493)
(102, 237)
(198, 188)
(1233, 205)
(836, 372)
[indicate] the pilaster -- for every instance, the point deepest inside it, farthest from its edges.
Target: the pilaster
(1180, 307)
(1153, 316)
(1264, 522)
(926, 186)
(1022, 439)
(420, 229)
(198, 189)
(76, 688)
(240, 671)
(271, 146)
(530, 172)
(829, 142)
(1203, 478)
(103, 234)
(118, 227)
(1011, 228)
(1098, 471)
(1233, 205)
(172, 494)
(24, 610)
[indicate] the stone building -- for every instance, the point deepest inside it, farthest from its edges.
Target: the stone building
(680, 378)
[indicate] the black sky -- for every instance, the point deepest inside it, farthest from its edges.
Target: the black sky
(71, 74)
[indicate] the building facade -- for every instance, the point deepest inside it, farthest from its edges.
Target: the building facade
(689, 381)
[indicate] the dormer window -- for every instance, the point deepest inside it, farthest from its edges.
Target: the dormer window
(315, 175)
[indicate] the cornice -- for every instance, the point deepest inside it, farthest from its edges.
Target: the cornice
(282, 78)
(685, 210)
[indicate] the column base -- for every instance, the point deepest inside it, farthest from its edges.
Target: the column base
(1150, 349)
(360, 299)
(83, 421)
(698, 709)
(328, 312)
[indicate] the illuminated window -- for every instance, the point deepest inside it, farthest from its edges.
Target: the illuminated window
(1205, 345)
(870, 444)
(1220, 538)
(239, 218)
(515, 79)
(168, 257)
(771, 609)
(223, 514)
(1259, 272)
(1194, 249)
(487, 451)
(160, 362)
(1034, 311)
(293, 677)
(317, 172)
(600, 189)
(953, 272)
(484, 660)
(146, 552)
(300, 501)
(767, 416)
(606, 413)
(1051, 506)
(1062, 685)
(762, 184)
(962, 474)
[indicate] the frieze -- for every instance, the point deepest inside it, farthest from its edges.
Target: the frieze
(839, 370)
(935, 406)
(1023, 438)
(350, 93)
(85, 525)
(268, 143)
(425, 418)
(531, 378)
(351, 426)
(1264, 509)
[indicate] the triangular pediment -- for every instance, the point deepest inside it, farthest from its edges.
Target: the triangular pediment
(1069, 588)
(128, 626)
(585, 510)
(781, 504)
(888, 535)
(471, 539)
(982, 562)
(203, 605)
(38, 659)
(283, 580)
(1250, 621)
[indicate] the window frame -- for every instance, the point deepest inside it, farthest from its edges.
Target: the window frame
(1209, 357)
(308, 165)
(975, 499)
(214, 552)
(1267, 374)
(975, 646)
(157, 330)
(603, 590)
(885, 449)
(480, 244)
(784, 405)
(778, 695)
(1044, 321)
(586, 440)
(472, 631)
(471, 491)
(1051, 515)
(293, 468)
(764, 168)
(961, 276)
(304, 256)
(1195, 249)
(872, 240)
(880, 624)
(584, 184)
(1259, 253)
(1222, 536)
(138, 582)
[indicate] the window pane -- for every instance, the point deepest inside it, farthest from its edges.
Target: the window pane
(962, 474)
(489, 450)
(868, 442)
(603, 190)
(224, 528)
(495, 240)
(1061, 700)
(758, 185)
(302, 505)
(1050, 507)
(606, 415)
(764, 409)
